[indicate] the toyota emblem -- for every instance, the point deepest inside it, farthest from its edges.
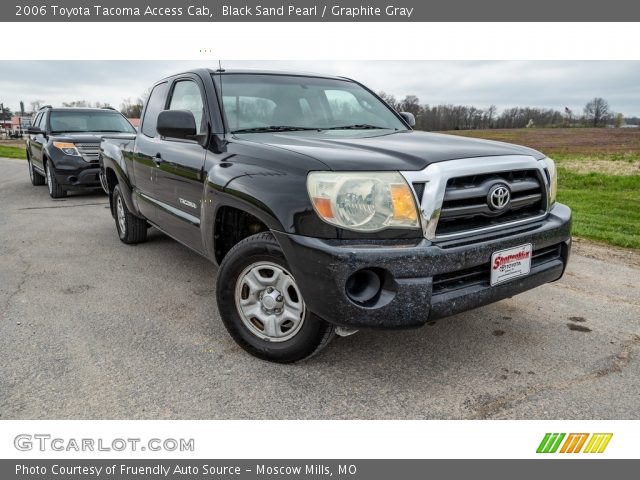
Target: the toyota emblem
(499, 197)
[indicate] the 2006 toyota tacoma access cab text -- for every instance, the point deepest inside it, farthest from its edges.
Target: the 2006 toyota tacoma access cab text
(326, 212)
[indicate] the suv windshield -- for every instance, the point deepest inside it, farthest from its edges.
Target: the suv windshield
(259, 102)
(75, 121)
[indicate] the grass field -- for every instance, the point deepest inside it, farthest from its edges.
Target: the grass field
(599, 176)
(10, 151)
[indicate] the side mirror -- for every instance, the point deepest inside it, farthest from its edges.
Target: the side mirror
(177, 124)
(35, 131)
(409, 118)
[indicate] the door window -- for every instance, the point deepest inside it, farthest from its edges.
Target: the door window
(186, 96)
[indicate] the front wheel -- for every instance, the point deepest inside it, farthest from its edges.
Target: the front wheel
(262, 307)
(55, 189)
(35, 177)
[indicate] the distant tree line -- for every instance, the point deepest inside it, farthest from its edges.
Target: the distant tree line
(129, 108)
(596, 113)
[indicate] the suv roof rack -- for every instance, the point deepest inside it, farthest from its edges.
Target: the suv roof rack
(46, 106)
(108, 107)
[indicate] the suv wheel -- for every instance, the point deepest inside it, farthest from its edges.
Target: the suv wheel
(131, 229)
(35, 177)
(55, 190)
(262, 307)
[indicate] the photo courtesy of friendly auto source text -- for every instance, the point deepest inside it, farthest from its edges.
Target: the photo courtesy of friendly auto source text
(235, 237)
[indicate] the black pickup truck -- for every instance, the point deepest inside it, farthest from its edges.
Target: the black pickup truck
(63, 144)
(326, 212)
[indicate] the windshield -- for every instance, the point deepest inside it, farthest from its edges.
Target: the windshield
(75, 121)
(254, 102)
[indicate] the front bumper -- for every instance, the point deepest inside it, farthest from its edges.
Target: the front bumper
(421, 281)
(74, 173)
(79, 179)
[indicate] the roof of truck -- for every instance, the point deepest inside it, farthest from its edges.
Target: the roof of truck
(230, 71)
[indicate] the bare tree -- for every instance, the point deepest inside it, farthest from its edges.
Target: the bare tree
(77, 103)
(596, 112)
(568, 113)
(410, 104)
(35, 105)
(130, 109)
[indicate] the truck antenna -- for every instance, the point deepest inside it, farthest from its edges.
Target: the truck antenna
(220, 72)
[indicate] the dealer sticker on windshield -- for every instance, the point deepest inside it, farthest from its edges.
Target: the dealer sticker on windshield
(510, 263)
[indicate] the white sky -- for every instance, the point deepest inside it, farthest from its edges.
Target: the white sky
(553, 84)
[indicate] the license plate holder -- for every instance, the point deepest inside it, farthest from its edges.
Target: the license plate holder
(510, 263)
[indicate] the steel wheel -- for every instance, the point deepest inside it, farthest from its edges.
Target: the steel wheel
(269, 302)
(122, 221)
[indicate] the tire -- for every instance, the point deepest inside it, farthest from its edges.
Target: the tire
(278, 328)
(131, 229)
(55, 189)
(35, 177)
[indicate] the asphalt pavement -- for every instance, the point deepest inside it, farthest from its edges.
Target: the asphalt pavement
(91, 328)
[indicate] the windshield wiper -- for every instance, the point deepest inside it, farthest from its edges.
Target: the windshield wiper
(272, 128)
(359, 126)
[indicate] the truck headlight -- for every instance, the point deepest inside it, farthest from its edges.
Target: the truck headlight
(363, 201)
(550, 167)
(67, 148)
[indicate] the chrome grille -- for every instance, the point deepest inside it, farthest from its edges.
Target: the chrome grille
(89, 151)
(453, 194)
(466, 204)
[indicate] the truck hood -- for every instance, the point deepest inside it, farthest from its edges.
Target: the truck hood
(380, 150)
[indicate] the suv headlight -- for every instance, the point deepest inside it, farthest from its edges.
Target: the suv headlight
(363, 201)
(550, 167)
(67, 148)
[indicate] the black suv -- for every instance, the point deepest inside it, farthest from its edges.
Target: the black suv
(63, 146)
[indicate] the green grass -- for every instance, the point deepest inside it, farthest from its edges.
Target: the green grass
(12, 152)
(605, 207)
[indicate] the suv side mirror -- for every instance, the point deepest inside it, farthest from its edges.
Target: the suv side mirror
(177, 124)
(409, 118)
(35, 131)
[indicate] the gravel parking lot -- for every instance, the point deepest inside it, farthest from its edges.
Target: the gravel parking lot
(92, 328)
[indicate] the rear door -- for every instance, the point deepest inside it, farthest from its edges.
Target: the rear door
(180, 166)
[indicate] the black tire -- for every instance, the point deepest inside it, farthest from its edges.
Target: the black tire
(55, 189)
(310, 337)
(35, 177)
(131, 229)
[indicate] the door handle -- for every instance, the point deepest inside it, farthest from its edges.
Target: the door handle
(158, 159)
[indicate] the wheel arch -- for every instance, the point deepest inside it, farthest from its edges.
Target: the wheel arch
(232, 224)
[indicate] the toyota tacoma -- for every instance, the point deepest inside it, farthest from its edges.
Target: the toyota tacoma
(326, 212)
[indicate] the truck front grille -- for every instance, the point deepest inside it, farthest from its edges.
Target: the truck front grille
(466, 205)
(89, 151)
(457, 200)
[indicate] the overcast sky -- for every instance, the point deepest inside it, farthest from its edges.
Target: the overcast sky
(553, 84)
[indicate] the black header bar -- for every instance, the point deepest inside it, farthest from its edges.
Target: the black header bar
(325, 11)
